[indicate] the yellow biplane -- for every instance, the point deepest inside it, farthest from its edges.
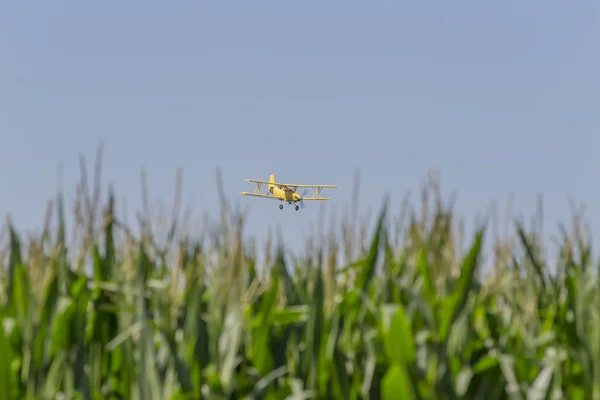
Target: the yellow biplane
(286, 192)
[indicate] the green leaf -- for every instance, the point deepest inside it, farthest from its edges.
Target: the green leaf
(291, 315)
(7, 383)
(368, 266)
(452, 306)
(425, 273)
(399, 340)
(396, 385)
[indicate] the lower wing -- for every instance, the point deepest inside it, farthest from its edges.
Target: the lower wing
(260, 195)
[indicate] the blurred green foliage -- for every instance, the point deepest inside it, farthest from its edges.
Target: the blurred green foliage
(407, 316)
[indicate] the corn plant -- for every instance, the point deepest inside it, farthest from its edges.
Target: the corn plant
(407, 315)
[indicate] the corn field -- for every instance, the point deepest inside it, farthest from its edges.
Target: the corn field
(408, 314)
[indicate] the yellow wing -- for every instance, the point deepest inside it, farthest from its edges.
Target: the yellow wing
(315, 198)
(259, 181)
(315, 195)
(291, 185)
(296, 185)
(260, 195)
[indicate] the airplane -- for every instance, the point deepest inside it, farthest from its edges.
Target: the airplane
(286, 192)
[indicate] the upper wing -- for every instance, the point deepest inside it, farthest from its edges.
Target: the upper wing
(257, 181)
(295, 185)
(260, 195)
(292, 185)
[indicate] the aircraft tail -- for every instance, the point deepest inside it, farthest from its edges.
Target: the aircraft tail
(271, 182)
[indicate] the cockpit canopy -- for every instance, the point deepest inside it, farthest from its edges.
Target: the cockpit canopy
(285, 188)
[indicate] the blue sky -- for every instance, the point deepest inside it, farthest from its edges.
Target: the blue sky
(500, 96)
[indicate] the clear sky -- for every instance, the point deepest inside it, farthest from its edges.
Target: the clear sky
(501, 96)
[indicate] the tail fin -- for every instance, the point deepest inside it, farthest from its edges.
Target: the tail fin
(271, 182)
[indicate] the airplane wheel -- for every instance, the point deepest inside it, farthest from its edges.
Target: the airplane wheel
(297, 208)
(281, 206)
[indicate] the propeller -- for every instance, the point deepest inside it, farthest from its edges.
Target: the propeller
(302, 198)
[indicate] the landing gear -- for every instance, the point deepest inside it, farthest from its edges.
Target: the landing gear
(297, 207)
